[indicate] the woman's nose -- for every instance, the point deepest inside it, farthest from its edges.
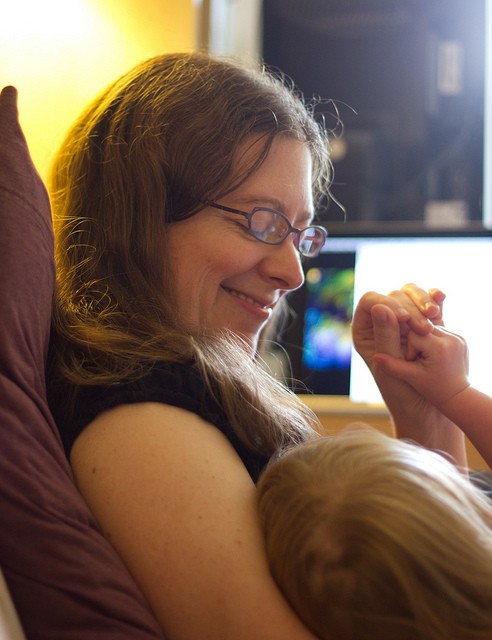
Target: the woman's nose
(283, 264)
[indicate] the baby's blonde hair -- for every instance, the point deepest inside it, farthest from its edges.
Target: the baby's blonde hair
(374, 538)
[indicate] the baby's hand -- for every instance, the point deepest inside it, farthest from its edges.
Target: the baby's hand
(435, 365)
(412, 307)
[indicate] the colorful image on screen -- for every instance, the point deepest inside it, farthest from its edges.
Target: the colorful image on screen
(327, 338)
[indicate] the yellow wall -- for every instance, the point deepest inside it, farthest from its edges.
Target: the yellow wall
(60, 53)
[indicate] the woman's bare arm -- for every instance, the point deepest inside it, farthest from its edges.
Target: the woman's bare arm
(175, 500)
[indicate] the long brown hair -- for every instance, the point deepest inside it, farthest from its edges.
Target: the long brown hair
(372, 538)
(147, 152)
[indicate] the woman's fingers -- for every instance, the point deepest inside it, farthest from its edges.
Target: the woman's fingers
(381, 323)
(386, 331)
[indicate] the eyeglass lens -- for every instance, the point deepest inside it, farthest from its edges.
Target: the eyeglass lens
(268, 226)
(272, 228)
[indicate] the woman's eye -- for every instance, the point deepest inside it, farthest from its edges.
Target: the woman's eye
(241, 222)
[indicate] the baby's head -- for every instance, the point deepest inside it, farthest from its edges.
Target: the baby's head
(372, 538)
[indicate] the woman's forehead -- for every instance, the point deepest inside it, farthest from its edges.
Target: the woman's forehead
(286, 170)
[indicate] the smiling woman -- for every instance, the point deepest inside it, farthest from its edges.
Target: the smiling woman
(165, 415)
(234, 281)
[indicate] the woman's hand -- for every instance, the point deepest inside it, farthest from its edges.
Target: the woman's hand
(413, 308)
(382, 325)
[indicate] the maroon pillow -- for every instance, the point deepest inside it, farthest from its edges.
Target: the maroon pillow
(66, 581)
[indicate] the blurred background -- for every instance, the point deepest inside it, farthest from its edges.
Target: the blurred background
(409, 79)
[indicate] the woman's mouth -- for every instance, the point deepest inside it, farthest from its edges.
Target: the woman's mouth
(246, 298)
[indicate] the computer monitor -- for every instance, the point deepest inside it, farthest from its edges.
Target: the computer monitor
(319, 344)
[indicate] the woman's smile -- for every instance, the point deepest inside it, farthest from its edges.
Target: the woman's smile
(230, 280)
(249, 299)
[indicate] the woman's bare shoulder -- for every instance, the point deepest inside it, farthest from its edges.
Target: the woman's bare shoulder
(172, 496)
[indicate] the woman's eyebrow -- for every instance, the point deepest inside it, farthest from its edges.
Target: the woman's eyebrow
(274, 203)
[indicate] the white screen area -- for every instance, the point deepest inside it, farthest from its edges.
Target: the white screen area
(461, 267)
(487, 159)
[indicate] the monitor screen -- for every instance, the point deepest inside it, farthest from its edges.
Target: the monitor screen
(320, 346)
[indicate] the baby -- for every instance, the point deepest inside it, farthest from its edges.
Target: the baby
(373, 538)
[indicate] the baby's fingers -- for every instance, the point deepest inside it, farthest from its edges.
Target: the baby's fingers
(438, 296)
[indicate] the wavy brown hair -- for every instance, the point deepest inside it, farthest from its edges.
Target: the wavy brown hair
(148, 151)
(372, 538)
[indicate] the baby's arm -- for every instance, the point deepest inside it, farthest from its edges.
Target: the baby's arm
(436, 366)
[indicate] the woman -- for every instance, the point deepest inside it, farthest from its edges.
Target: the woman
(183, 199)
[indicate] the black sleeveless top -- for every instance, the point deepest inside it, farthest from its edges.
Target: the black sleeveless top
(179, 385)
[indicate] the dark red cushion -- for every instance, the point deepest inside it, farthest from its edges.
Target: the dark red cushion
(66, 581)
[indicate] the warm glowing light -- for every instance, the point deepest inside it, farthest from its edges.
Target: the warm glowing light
(60, 53)
(50, 21)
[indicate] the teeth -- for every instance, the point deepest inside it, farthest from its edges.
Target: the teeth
(243, 297)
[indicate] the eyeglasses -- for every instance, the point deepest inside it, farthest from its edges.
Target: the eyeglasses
(272, 227)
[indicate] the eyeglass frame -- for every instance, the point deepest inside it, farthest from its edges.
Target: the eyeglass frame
(291, 228)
